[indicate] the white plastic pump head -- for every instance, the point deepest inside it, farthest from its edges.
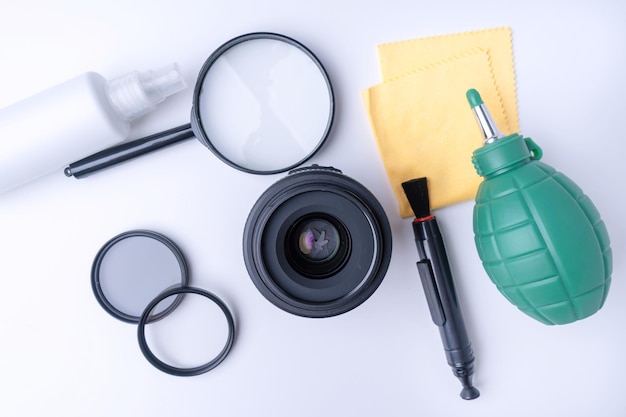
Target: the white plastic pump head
(138, 93)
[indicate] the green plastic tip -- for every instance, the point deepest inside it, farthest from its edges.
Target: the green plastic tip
(474, 98)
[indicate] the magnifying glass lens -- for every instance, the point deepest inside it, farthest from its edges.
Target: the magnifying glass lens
(264, 104)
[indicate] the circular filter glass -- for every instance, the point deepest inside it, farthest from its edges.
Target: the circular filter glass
(132, 269)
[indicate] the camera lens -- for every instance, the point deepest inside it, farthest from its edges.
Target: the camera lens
(317, 243)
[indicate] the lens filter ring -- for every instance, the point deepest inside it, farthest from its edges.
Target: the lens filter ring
(132, 268)
(141, 276)
(180, 371)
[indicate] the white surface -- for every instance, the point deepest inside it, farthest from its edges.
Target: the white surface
(61, 354)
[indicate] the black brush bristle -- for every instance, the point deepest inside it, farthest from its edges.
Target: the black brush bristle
(417, 193)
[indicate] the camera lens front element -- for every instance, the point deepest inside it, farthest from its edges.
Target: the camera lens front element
(318, 240)
(317, 246)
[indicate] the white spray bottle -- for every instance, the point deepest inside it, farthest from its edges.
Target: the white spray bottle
(74, 119)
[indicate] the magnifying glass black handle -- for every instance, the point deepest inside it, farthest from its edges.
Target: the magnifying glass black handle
(128, 150)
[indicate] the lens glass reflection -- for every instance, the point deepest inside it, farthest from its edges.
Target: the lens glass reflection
(319, 240)
(317, 245)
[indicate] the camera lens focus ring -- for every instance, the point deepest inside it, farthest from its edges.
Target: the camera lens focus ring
(317, 243)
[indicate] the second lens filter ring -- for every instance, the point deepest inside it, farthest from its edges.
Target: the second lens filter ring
(191, 370)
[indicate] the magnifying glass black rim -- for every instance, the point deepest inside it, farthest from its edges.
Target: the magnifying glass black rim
(196, 119)
(191, 371)
(97, 264)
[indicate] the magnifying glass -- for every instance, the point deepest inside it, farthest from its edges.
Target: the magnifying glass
(263, 103)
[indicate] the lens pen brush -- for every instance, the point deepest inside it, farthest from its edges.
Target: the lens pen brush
(436, 277)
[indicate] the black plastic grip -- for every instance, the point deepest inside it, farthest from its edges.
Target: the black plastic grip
(430, 290)
(128, 150)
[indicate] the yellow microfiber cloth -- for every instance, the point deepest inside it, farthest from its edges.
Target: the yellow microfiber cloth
(422, 122)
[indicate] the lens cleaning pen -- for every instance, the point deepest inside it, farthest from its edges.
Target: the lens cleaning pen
(436, 278)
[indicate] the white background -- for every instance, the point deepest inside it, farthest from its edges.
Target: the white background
(61, 354)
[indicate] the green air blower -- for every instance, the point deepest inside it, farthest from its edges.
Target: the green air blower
(539, 237)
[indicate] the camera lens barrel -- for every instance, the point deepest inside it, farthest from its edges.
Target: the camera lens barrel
(317, 243)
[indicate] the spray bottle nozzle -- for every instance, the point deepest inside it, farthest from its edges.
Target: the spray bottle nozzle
(485, 121)
(135, 94)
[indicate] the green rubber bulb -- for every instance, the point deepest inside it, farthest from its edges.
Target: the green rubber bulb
(540, 238)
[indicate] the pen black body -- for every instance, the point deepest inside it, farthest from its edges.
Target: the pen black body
(443, 304)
